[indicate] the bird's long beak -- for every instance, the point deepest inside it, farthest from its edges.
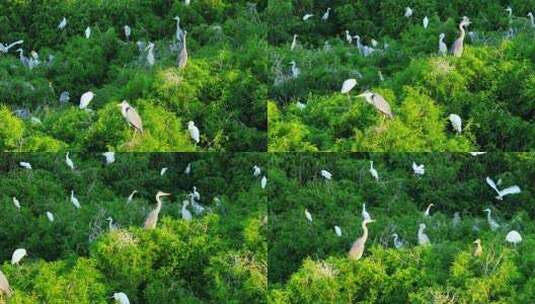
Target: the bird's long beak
(371, 221)
(166, 194)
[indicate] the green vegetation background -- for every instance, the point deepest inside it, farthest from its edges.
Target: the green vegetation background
(308, 263)
(216, 258)
(222, 89)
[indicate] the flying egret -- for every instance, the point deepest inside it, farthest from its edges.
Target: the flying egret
(111, 225)
(263, 182)
(17, 256)
(4, 285)
(478, 251)
(187, 171)
(162, 171)
(121, 298)
(131, 196)
(110, 157)
(63, 23)
(183, 56)
(398, 243)
(131, 116)
(325, 16)
(408, 12)
(428, 210)
(348, 85)
(442, 47)
(74, 200)
(374, 172)
(456, 219)
(25, 165)
(501, 193)
(5, 48)
(308, 216)
(127, 32)
(492, 223)
(307, 16)
(64, 97)
(425, 22)
(378, 102)
(357, 249)
(337, 230)
(294, 43)
(69, 161)
(86, 98)
(532, 19)
(326, 174)
(194, 132)
(349, 38)
(152, 217)
(418, 169)
(456, 122)
(186, 215)
(150, 53)
(294, 70)
(88, 32)
(50, 216)
(365, 214)
(423, 239)
(458, 46)
(16, 202)
(256, 170)
(513, 237)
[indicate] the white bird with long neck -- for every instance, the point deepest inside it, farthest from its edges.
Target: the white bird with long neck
(17, 256)
(187, 171)
(186, 214)
(163, 171)
(256, 171)
(69, 161)
(132, 117)
(348, 85)
(532, 19)
(442, 47)
(458, 46)
(307, 16)
(456, 122)
(127, 32)
(16, 202)
(150, 54)
(398, 243)
(365, 214)
(456, 219)
(308, 216)
(425, 22)
(349, 38)
(131, 196)
(179, 32)
(428, 210)
(196, 194)
(85, 99)
(194, 132)
(152, 217)
(501, 193)
(419, 170)
(423, 239)
(183, 56)
(357, 249)
(374, 172)
(492, 223)
(325, 16)
(294, 43)
(74, 200)
(121, 298)
(111, 225)
(294, 70)
(338, 231)
(62, 24)
(5, 48)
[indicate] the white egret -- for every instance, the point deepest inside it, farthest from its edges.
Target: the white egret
(365, 214)
(131, 196)
(378, 102)
(196, 195)
(131, 116)
(456, 122)
(179, 33)
(325, 16)
(326, 174)
(513, 237)
(408, 12)
(186, 215)
(478, 251)
(294, 70)
(294, 43)
(532, 19)
(338, 231)
(74, 200)
(256, 170)
(425, 22)
(88, 32)
(442, 47)
(349, 38)
(111, 225)
(25, 165)
(23, 59)
(50, 216)
(63, 23)
(428, 210)
(357, 249)
(308, 216)
(501, 193)
(418, 169)
(163, 170)
(307, 16)
(423, 239)
(85, 99)
(263, 182)
(121, 298)
(150, 53)
(69, 161)
(398, 243)
(152, 217)
(374, 172)
(348, 85)
(16, 202)
(458, 46)
(127, 32)
(110, 157)
(358, 43)
(456, 219)
(492, 223)
(4, 285)
(64, 97)
(182, 59)
(17, 256)
(477, 153)
(187, 171)
(5, 48)
(187, 2)
(194, 132)
(374, 42)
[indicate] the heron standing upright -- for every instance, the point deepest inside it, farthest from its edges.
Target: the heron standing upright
(357, 249)
(182, 60)
(131, 115)
(378, 102)
(152, 218)
(458, 45)
(442, 47)
(423, 239)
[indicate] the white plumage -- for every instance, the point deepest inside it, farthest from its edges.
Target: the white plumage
(86, 98)
(365, 214)
(325, 16)
(513, 237)
(308, 216)
(74, 200)
(131, 196)
(25, 165)
(50, 216)
(423, 239)
(69, 161)
(187, 171)
(348, 85)
(263, 182)
(110, 157)
(127, 32)
(62, 24)
(374, 172)
(162, 172)
(426, 22)
(456, 122)
(326, 174)
(442, 47)
(194, 132)
(121, 298)
(256, 171)
(492, 223)
(17, 256)
(501, 193)
(186, 215)
(16, 202)
(88, 32)
(338, 231)
(418, 169)
(307, 16)
(408, 12)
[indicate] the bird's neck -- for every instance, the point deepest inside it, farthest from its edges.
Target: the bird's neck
(159, 205)
(463, 33)
(364, 231)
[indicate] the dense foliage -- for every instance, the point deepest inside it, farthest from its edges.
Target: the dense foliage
(222, 89)
(308, 262)
(491, 87)
(218, 257)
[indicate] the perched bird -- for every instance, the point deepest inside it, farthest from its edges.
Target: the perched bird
(187, 171)
(408, 12)
(85, 99)
(532, 19)
(492, 223)
(50, 216)
(111, 225)
(458, 46)
(398, 243)
(121, 298)
(150, 54)
(16, 202)
(365, 214)
(127, 32)
(25, 165)
(307, 16)
(4, 285)
(17, 256)
(131, 116)
(423, 239)
(162, 171)
(74, 200)
(186, 215)
(501, 193)
(442, 47)
(338, 231)
(357, 249)
(300, 105)
(374, 172)
(110, 157)
(179, 33)
(194, 132)
(426, 22)
(308, 216)
(456, 122)
(326, 174)
(513, 237)
(182, 59)
(62, 24)
(428, 210)
(197, 208)
(348, 85)
(294, 43)
(152, 217)
(418, 169)
(131, 196)
(349, 38)
(456, 219)
(88, 32)
(294, 70)
(478, 251)
(477, 153)
(378, 102)
(325, 16)
(64, 97)
(256, 171)
(69, 161)
(195, 194)
(263, 182)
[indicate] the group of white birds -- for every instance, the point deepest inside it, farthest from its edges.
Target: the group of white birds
(357, 248)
